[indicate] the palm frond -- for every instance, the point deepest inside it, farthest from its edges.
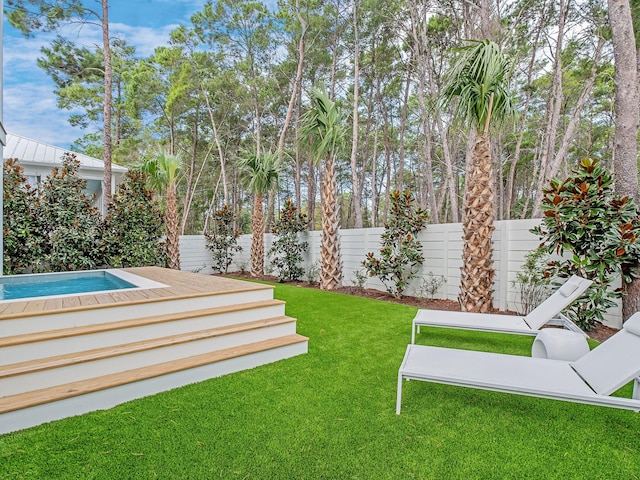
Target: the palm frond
(162, 168)
(322, 125)
(476, 86)
(260, 173)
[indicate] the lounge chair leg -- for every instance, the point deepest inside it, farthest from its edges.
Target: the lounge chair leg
(415, 329)
(399, 399)
(636, 389)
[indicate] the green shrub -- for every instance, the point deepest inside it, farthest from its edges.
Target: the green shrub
(596, 233)
(430, 284)
(531, 283)
(287, 248)
(23, 230)
(223, 240)
(133, 226)
(312, 273)
(401, 254)
(359, 278)
(72, 224)
(56, 228)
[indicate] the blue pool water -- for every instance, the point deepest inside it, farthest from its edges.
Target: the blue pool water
(51, 284)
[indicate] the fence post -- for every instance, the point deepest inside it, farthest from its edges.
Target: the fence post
(503, 275)
(445, 258)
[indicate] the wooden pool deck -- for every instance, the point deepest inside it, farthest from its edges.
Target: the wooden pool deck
(70, 355)
(180, 285)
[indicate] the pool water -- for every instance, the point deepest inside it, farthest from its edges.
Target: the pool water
(67, 283)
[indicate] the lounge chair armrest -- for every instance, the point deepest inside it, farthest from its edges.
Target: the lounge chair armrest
(636, 389)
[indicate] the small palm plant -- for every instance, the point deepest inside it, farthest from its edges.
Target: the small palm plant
(476, 88)
(260, 174)
(163, 169)
(324, 129)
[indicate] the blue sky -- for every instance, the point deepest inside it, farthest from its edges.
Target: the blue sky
(29, 103)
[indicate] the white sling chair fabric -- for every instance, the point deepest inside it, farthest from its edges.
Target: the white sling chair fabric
(590, 379)
(547, 312)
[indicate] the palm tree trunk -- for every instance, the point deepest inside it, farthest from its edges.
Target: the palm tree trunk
(257, 240)
(173, 235)
(476, 276)
(331, 261)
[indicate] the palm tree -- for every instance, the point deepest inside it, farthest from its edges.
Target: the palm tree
(322, 126)
(260, 174)
(163, 170)
(478, 82)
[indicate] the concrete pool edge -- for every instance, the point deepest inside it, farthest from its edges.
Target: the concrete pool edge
(138, 283)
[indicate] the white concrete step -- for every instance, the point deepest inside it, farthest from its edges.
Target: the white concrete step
(27, 347)
(34, 408)
(21, 323)
(53, 371)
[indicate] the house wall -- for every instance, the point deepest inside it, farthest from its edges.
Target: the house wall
(36, 172)
(441, 246)
(38, 159)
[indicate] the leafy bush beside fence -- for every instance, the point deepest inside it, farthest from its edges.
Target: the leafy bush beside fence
(223, 239)
(131, 230)
(401, 253)
(598, 233)
(23, 237)
(287, 248)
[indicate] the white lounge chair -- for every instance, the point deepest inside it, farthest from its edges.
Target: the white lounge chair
(548, 312)
(590, 379)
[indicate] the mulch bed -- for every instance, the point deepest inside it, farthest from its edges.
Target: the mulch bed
(600, 334)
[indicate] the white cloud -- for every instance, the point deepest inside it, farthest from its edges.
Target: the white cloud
(29, 106)
(20, 54)
(145, 39)
(30, 110)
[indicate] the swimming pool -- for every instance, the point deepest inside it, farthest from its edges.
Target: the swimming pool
(21, 287)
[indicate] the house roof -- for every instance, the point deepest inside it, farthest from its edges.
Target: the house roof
(32, 151)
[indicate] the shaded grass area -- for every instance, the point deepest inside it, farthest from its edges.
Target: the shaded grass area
(331, 414)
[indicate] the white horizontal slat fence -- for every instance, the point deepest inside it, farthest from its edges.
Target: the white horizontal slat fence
(441, 246)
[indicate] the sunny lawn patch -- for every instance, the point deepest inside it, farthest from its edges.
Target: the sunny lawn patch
(331, 414)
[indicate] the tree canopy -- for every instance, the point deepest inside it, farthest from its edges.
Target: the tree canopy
(237, 77)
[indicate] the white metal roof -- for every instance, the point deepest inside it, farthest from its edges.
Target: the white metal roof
(32, 151)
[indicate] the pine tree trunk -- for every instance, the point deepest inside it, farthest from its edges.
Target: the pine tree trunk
(257, 240)
(626, 121)
(297, 83)
(424, 73)
(476, 275)
(355, 179)
(554, 107)
(524, 114)
(216, 137)
(330, 259)
(108, 71)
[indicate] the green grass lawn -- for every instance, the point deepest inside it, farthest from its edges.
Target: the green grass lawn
(330, 414)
